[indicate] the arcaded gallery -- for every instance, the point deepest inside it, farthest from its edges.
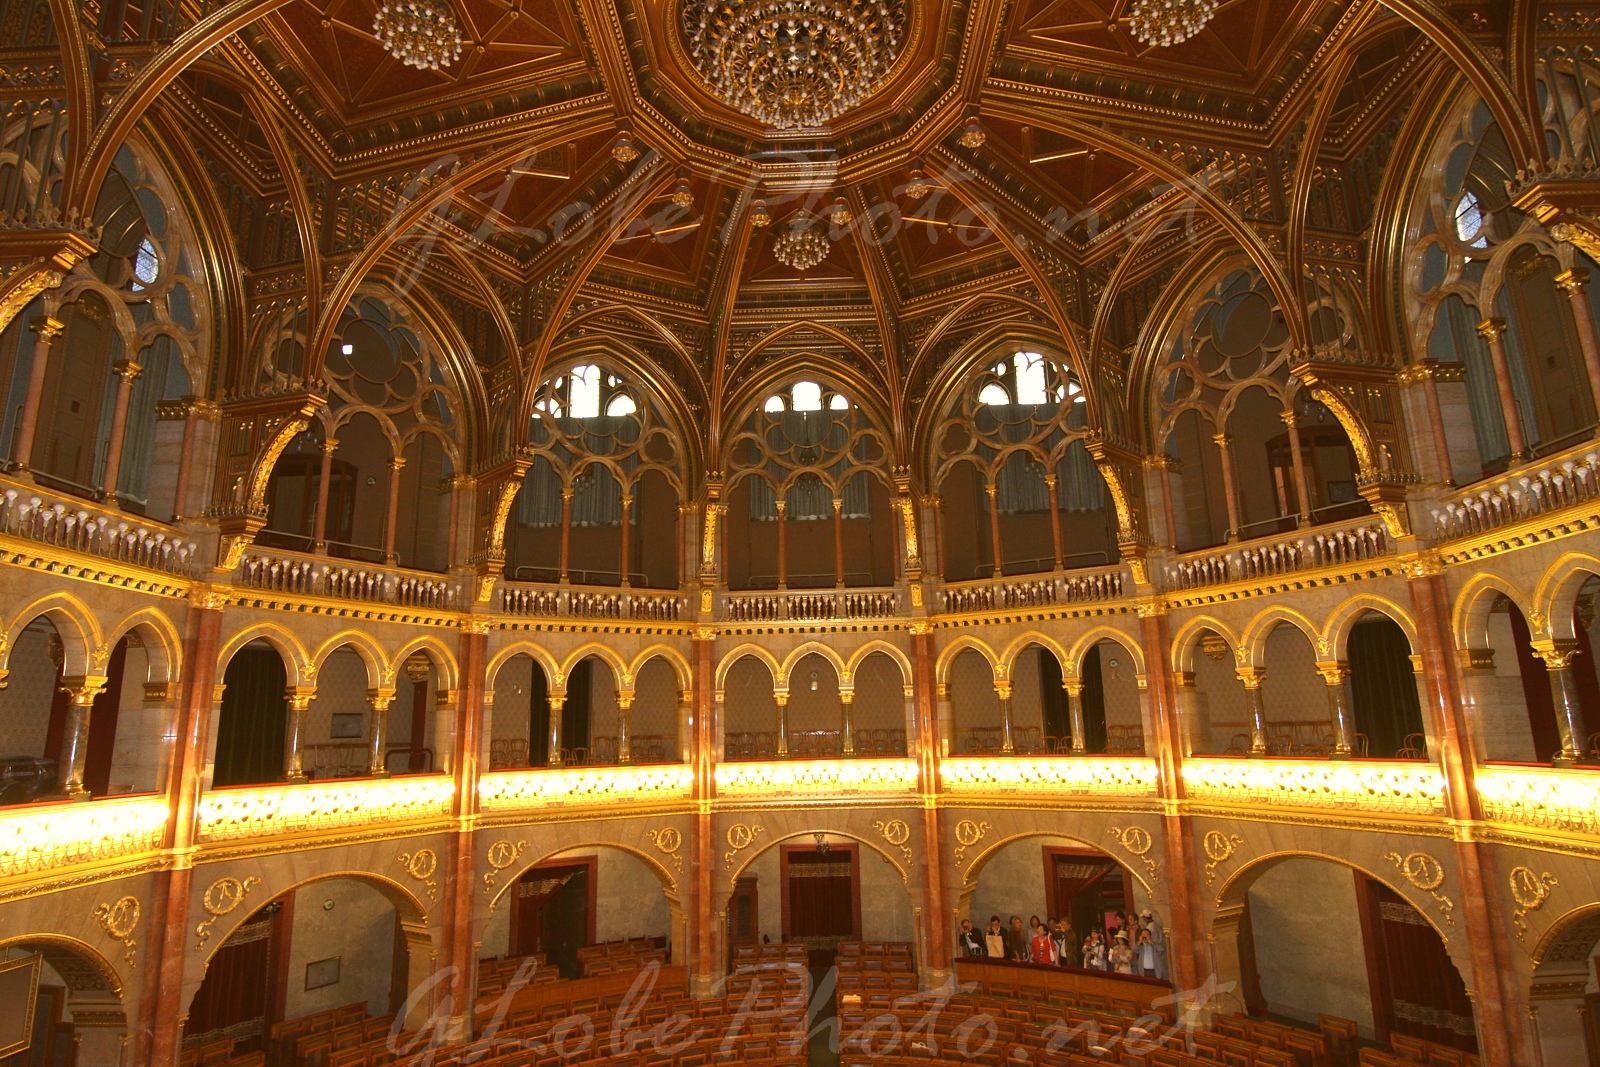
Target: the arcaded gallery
(805, 533)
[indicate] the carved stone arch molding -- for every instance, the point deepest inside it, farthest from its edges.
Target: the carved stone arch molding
(741, 836)
(226, 892)
(973, 837)
(1421, 869)
(508, 848)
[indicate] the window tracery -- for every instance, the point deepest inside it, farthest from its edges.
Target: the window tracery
(808, 445)
(1493, 298)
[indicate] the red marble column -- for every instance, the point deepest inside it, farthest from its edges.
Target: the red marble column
(1497, 998)
(46, 329)
(1055, 517)
(126, 370)
(161, 990)
(703, 965)
(458, 950)
(1187, 953)
(937, 914)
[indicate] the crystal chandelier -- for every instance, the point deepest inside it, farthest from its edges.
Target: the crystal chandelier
(1168, 22)
(793, 64)
(800, 247)
(418, 33)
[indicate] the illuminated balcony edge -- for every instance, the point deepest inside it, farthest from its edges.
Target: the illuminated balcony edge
(1415, 789)
(277, 810)
(823, 777)
(45, 838)
(1119, 776)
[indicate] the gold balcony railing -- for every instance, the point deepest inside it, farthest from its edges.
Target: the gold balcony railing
(508, 791)
(821, 778)
(268, 811)
(42, 837)
(1121, 776)
(1030, 591)
(1393, 788)
(1541, 798)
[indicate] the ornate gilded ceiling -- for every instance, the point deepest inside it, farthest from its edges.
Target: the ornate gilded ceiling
(1107, 166)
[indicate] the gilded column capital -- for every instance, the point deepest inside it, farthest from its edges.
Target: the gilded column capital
(380, 699)
(1490, 329)
(1333, 672)
(83, 688)
(1573, 279)
(47, 327)
(1252, 677)
(127, 369)
(300, 696)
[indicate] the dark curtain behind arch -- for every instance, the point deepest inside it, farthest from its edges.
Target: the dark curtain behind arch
(250, 730)
(1383, 687)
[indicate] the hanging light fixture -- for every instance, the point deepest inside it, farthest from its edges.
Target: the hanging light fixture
(1159, 23)
(839, 214)
(419, 33)
(759, 215)
(800, 247)
(793, 64)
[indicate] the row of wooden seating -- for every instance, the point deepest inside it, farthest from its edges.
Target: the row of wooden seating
(282, 1036)
(622, 964)
(874, 950)
(1411, 1051)
(1311, 1048)
(553, 1040)
(319, 1048)
(867, 964)
(220, 1054)
(875, 984)
(632, 946)
(777, 952)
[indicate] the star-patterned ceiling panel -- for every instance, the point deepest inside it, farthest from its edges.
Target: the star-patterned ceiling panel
(503, 43)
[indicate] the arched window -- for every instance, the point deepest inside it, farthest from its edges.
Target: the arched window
(809, 504)
(394, 430)
(1009, 452)
(606, 467)
(131, 313)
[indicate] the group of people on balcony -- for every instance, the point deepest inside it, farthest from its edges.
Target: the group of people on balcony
(1134, 948)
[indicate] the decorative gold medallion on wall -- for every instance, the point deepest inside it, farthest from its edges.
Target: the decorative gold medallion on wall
(221, 898)
(119, 921)
(1219, 847)
(1137, 841)
(421, 865)
(1530, 891)
(669, 840)
(896, 833)
(1427, 874)
(968, 833)
(739, 838)
(502, 854)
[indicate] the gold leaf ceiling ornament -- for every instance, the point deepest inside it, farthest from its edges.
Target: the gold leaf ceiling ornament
(793, 64)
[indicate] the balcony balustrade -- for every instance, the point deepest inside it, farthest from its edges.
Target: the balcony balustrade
(1271, 557)
(1415, 789)
(550, 602)
(80, 526)
(508, 791)
(305, 575)
(43, 837)
(1110, 776)
(822, 777)
(811, 606)
(273, 810)
(1031, 591)
(1518, 497)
